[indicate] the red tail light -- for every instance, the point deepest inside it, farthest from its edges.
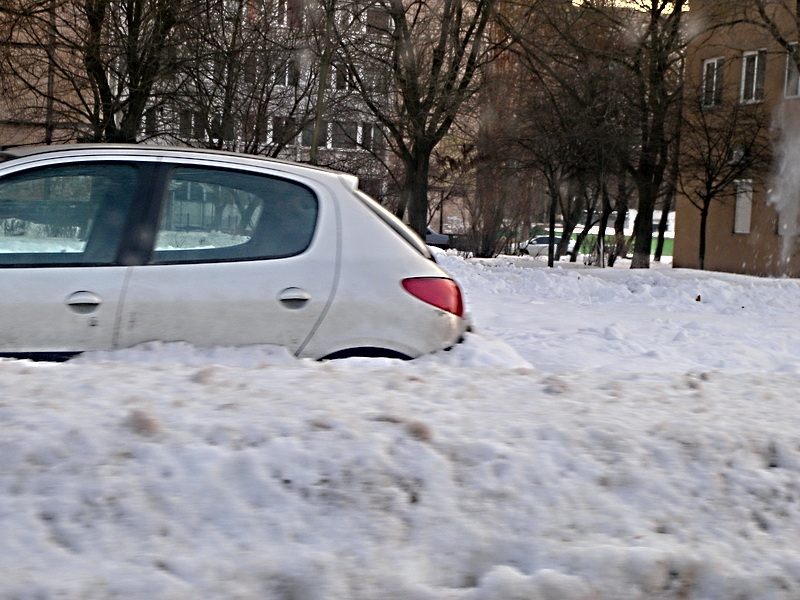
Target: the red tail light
(438, 291)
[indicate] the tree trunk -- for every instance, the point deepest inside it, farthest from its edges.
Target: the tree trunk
(701, 252)
(605, 215)
(554, 197)
(416, 190)
(324, 70)
(573, 257)
(643, 225)
(587, 225)
(620, 242)
(663, 223)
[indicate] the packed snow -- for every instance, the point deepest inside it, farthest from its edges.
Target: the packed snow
(602, 434)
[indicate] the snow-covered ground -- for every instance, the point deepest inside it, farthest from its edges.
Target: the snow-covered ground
(602, 435)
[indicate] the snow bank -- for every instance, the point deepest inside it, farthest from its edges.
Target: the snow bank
(168, 472)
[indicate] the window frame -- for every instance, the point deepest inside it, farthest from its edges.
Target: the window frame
(711, 96)
(340, 81)
(289, 13)
(792, 73)
(232, 253)
(755, 93)
(372, 137)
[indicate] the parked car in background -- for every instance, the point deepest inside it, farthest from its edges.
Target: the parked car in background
(109, 246)
(440, 240)
(539, 246)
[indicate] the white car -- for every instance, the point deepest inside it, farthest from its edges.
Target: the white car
(110, 246)
(440, 240)
(539, 246)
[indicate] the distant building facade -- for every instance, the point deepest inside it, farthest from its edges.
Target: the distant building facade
(753, 227)
(248, 80)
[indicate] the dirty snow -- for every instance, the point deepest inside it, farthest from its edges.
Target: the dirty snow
(601, 435)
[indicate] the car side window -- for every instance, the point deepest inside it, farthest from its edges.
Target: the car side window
(220, 214)
(65, 214)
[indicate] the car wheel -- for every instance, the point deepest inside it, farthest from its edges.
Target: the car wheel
(366, 352)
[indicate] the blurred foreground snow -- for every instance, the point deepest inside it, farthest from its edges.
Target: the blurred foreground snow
(603, 435)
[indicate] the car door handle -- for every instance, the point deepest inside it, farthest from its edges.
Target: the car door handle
(294, 297)
(84, 302)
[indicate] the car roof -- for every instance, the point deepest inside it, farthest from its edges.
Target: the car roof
(23, 152)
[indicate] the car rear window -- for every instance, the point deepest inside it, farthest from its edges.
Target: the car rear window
(214, 214)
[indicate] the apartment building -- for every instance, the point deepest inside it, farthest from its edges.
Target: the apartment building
(242, 76)
(752, 225)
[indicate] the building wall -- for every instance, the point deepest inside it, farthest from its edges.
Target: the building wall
(763, 251)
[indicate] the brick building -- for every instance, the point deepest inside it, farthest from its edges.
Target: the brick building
(753, 227)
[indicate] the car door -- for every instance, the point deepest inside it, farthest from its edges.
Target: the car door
(61, 229)
(241, 257)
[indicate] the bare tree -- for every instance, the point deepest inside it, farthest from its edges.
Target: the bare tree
(13, 15)
(720, 146)
(95, 64)
(452, 173)
(653, 55)
(780, 18)
(553, 157)
(248, 78)
(578, 115)
(502, 201)
(641, 42)
(432, 51)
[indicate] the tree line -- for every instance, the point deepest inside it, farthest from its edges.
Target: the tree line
(528, 110)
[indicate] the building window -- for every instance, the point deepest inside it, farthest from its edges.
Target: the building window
(376, 80)
(191, 125)
(371, 187)
(753, 64)
(737, 154)
(345, 135)
(290, 13)
(284, 130)
(250, 67)
(792, 74)
(289, 74)
(255, 128)
(744, 206)
(150, 121)
(340, 79)
(712, 82)
(378, 21)
(308, 135)
(222, 128)
(372, 137)
(185, 123)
